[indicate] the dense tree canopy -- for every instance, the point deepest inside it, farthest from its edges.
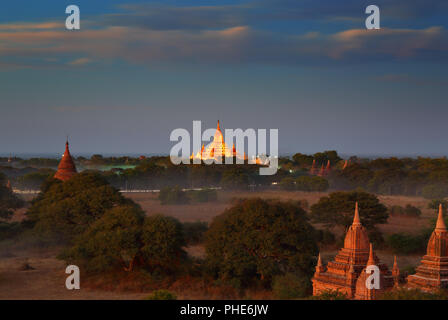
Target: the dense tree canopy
(337, 209)
(65, 210)
(258, 239)
(162, 239)
(112, 241)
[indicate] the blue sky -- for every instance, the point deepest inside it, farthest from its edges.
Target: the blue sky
(139, 69)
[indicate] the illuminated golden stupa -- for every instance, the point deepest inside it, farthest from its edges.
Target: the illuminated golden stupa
(217, 149)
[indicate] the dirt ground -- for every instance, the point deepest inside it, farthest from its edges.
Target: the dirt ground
(47, 279)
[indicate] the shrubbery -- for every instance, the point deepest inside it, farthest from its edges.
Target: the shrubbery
(330, 295)
(409, 211)
(161, 295)
(402, 243)
(291, 286)
(412, 294)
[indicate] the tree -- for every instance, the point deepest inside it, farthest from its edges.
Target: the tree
(174, 195)
(34, 180)
(64, 210)
(235, 178)
(387, 181)
(337, 209)
(302, 160)
(111, 242)
(8, 200)
(312, 183)
(258, 239)
(288, 184)
(354, 176)
(435, 191)
(163, 239)
(323, 157)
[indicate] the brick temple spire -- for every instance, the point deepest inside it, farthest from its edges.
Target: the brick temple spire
(432, 274)
(396, 272)
(313, 167)
(322, 171)
(440, 225)
(328, 168)
(356, 237)
(66, 168)
(356, 220)
(319, 267)
(371, 261)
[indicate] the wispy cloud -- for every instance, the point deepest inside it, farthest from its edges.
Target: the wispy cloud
(80, 62)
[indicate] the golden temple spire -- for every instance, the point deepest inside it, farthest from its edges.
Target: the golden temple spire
(356, 219)
(440, 225)
(218, 128)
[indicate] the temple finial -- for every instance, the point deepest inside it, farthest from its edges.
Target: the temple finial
(218, 128)
(371, 260)
(356, 219)
(319, 261)
(395, 267)
(440, 225)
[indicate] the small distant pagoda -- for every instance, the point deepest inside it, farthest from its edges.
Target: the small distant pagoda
(66, 168)
(347, 273)
(432, 274)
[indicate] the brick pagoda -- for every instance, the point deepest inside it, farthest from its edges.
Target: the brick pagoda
(343, 272)
(432, 274)
(66, 168)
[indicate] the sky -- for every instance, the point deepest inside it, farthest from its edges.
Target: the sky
(136, 70)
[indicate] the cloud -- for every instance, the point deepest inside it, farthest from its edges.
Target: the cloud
(350, 12)
(232, 45)
(80, 62)
(31, 26)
